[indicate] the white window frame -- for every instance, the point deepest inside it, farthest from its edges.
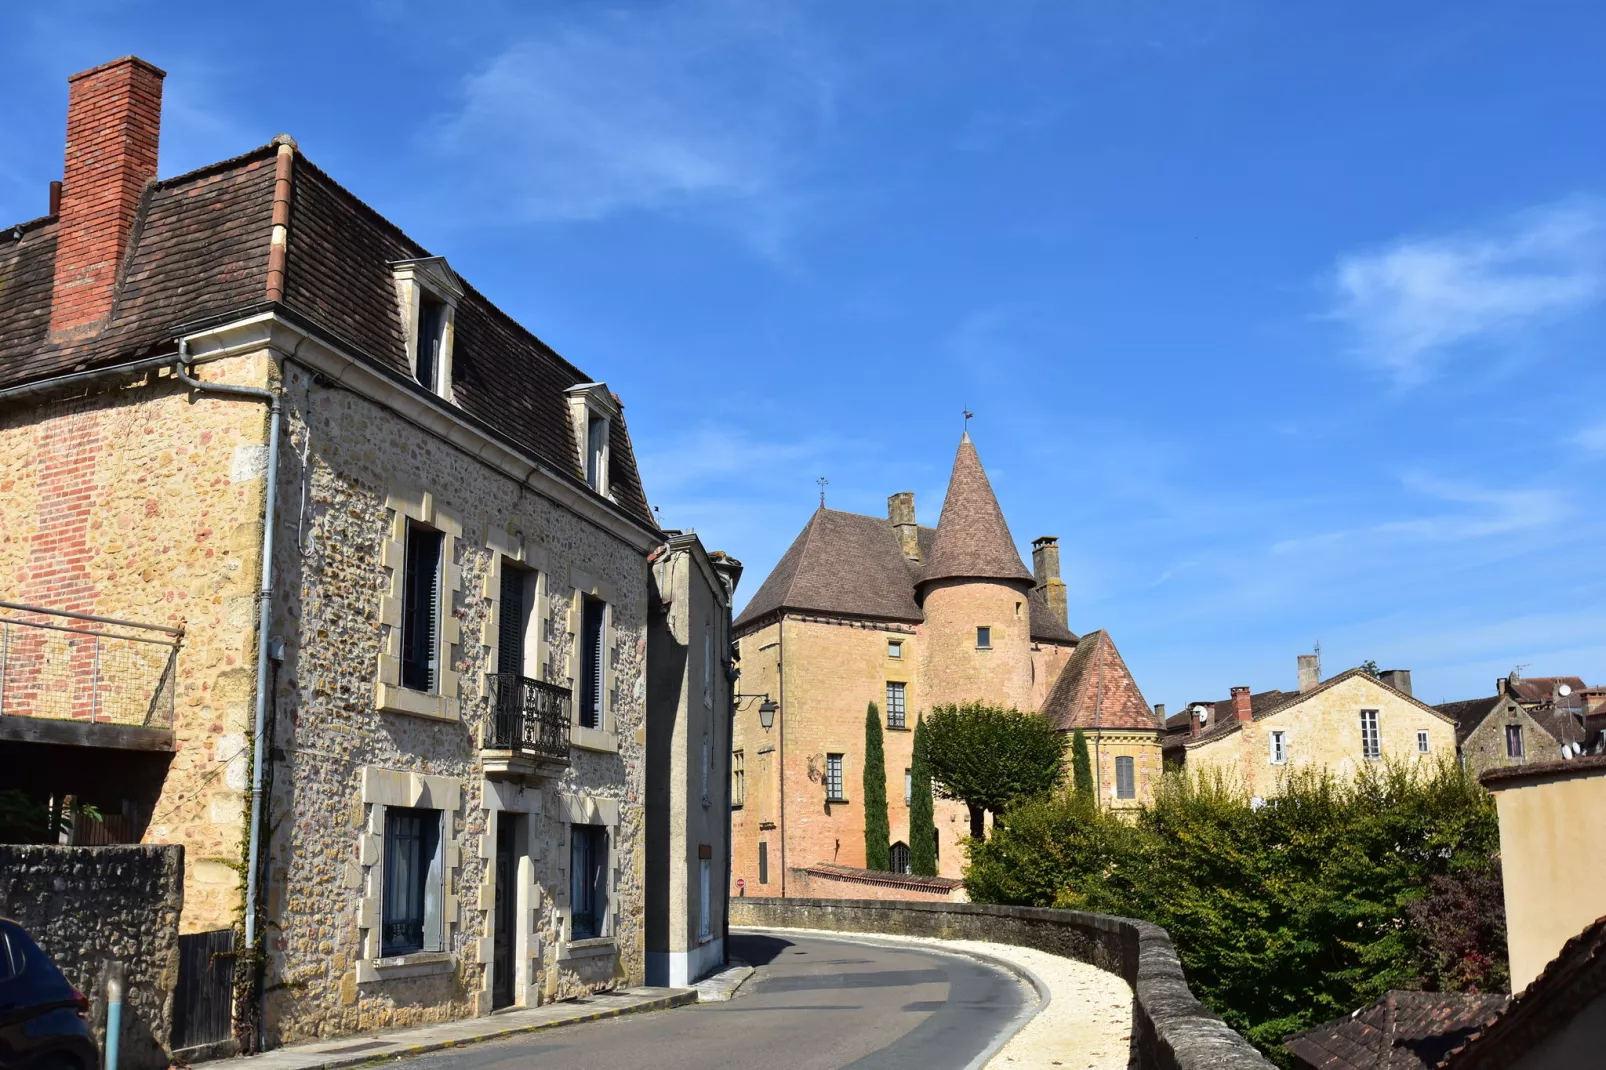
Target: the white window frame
(1423, 744)
(424, 279)
(895, 649)
(1277, 740)
(1371, 736)
(589, 404)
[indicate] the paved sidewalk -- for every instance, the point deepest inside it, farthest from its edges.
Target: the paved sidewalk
(355, 1050)
(719, 987)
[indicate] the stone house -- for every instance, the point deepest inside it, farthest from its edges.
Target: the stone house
(320, 565)
(1341, 724)
(1526, 720)
(865, 609)
(689, 694)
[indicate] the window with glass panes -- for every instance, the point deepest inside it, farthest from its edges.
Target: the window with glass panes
(833, 778)
(588, 880)
(1371, 745)
(413, 884)
(738, 780)
(1126, 781)
(1514, 741)
(895, 708)
(1421, 741)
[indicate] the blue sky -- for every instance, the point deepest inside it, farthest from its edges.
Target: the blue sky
(1286, 318)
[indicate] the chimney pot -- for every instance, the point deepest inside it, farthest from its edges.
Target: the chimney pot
(55, 197)
(1241, 706)
(1398, 679)
(901, 513)
(1310, 672)
(114, 119)
(1159, 711)
(1046, 570)
(1193, 720)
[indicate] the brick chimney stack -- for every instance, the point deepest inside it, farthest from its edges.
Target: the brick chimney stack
(901, 512)
(114, 118)
(1310, 672)
(1193, 720)
(1046, 569)
(1398, 679)
(1241, 708)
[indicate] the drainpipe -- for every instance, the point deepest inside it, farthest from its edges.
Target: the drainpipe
(259, 749)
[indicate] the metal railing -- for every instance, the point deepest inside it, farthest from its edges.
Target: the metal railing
(529, 717)
(69, 666)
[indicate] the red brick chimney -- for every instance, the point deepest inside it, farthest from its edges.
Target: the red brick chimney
(1241, 708)
(114, 117)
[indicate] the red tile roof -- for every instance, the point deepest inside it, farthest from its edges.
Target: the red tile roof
(1095, 690)
(1401, 1031)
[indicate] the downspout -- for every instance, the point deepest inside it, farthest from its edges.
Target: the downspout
(259, 748)
(780, 690)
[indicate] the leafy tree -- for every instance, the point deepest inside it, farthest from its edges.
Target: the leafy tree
(22, 820)
(877, 836)
(988, 757)
(1082, 767)
(1369, 667)
(922, 824)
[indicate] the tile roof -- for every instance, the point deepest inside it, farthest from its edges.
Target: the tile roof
(972, 540)
(199, 254)
(1470, 713)
(843, 564)
(1400, 1031)
(1095, 690)
(1541, 688)
(1572, 981)
(1277, 701)
(1044, 623)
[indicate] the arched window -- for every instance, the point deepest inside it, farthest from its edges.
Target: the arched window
(900, 857)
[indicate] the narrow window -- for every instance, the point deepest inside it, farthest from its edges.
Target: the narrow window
(1514, 741)
(1279, 748)
(1017, 611)
(908, 786)
(833, 778)
(984, 637)
(899, 855)
(597, 453)
(895, 708)
(588, 888)
(431, 336)
(421, 608)
(708, 665)
(593, 613)
(763, 862)
(1125, 778)
(705, 769)
(704, 878)
(894, 648)
(413, 891)
(738, 780)
(1370, 746)
(1421, 741)
(514, 620)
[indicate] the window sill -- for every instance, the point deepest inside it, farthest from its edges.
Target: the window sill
(984, 650)
(834, 802)
(898, 728)
(594, 739)
(416, 964)
(589, 948)
(391, 698)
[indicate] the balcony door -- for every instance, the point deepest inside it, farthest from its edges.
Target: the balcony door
(504, 938)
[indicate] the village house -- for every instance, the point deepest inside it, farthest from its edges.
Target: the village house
(1341, 724)
(318, 564)
(864, 609)
(1526, 720)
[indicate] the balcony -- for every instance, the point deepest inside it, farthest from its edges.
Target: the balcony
(527, 729)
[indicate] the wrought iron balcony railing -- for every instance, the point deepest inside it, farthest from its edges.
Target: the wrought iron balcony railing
(529, 717)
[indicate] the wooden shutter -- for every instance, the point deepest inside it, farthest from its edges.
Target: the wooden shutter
(510, 630)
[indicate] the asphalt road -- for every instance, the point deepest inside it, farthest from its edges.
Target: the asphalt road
(814, 1004)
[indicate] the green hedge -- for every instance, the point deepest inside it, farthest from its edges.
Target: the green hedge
(1287, 914)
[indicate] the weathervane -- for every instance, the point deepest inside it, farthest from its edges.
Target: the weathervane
(968, 415)
(822, 481)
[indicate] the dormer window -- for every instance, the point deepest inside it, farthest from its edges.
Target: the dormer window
(427, 293)
(593, 408)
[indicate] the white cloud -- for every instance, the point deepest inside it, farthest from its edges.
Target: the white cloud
(1591, 438)
(654, 108)
(1416, 303)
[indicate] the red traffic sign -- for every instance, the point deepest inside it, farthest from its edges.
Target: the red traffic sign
(741, 882)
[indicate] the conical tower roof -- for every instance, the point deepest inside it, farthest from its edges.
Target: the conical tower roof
(972, 540)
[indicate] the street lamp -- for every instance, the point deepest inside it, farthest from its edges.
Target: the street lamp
(766, 709)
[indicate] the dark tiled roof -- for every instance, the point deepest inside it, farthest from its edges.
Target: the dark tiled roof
(1469, 714)
(1401, 1031)
(1221, 713)
(1095, 689)
(1513, 774)
(199, 253)
(1573, 980)
(1541, 688)
(1045, 623)
(972, 538)
(843, 564)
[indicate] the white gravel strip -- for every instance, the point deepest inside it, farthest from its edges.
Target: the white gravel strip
(1086, 1024)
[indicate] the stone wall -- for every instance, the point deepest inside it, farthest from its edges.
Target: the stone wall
(846, 882)
(1171, 1029)
(87, 906)
(1485, 748)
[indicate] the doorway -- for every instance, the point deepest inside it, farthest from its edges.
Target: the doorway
(504, 938)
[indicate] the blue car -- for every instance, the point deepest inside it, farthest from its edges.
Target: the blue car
(43, 1019)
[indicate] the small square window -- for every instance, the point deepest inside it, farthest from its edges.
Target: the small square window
(894, 648)
(984, 637)
(1421, 741)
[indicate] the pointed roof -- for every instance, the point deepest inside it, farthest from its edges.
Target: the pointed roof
(840, 563)
(972, 540)
(1096, 690)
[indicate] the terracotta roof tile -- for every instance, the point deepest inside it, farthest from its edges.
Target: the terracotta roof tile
(1400, 1031)
(1095, 689)
(972, 538)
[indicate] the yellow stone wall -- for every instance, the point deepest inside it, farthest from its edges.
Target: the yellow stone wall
(1324, 730)
(1104, 747)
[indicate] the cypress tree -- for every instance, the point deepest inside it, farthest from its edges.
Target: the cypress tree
(922, 824)
(877, 833)
(1082, 767)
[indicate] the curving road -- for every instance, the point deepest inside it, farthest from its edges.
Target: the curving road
(814, 1003)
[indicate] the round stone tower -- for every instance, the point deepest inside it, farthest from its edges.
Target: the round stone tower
(973, 590)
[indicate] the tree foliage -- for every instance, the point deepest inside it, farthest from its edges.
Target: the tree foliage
(1286, 916)
(1081, 767)
(988, 757)
(877, 835)
(922, 822)
(26, 820)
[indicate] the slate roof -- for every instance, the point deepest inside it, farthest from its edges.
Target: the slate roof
(199, 253)
(1276, 701)
(1096, 690)
(1044, 624)
(972, 539)
(1401, 1031)
(843, 564)
(1572, 981)
(1469, 714)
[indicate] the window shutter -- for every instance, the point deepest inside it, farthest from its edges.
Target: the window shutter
(432, 566)
(510, 632)
(434, 882)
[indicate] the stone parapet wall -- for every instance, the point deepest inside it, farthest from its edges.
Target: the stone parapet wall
(846, 882)
(88, 906)
(1171, 1029)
